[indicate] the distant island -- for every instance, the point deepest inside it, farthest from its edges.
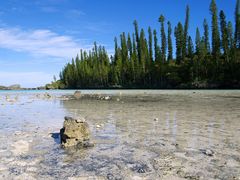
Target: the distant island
(18, 87)
(140, 61)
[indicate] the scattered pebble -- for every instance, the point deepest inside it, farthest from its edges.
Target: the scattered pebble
(98, 126)
(107, 98)
(207, 152)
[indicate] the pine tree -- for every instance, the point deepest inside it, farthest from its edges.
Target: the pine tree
(224, 32)
(186, 26)
(163, 38)
(137, 40)
(144, 52)
(232, 51)
(179, 42)
(190, 48)
(170, 48)
(118, 64)
(206, 35)
(129, 46)
(124, 49)
(135, 62)
(237, 24)
(230, 35)
(124, 57)
(198, 41)
(215, 31)
(150, 45)
(156, 48)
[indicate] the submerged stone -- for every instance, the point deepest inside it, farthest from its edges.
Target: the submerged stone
(77, 94)
(207, 152)
(75, 132)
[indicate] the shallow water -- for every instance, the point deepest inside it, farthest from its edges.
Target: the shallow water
(143, 135)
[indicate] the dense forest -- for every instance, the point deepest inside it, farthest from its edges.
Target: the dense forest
(146, 60)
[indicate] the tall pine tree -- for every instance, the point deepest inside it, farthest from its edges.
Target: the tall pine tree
(170, 48)
(237, 24)
(206, 35)
(179, 35)
(163, 38)
(224, 32)
(185, 37)
(215, 31)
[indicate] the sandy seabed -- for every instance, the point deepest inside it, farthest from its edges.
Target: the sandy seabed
(137, 135)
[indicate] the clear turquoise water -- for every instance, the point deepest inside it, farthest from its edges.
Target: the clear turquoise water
(130, 143)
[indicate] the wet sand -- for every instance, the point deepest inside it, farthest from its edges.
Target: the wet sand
(137, 135)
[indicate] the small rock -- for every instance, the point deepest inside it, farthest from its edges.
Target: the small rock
(98, 126)
(155, 119)
(207, 152)
(118, 99)
(47, 95)
(141, 168)
(77, 94)
(107, 98)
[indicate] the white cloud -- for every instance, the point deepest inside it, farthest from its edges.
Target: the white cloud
(75, 13)
(25, 79)
(49, 9)
(39, 42)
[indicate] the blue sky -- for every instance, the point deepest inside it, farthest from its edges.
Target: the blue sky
(37, 37)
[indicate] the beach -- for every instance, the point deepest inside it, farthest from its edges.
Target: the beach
(138, 134)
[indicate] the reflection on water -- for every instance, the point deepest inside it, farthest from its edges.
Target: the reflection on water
(152, 135)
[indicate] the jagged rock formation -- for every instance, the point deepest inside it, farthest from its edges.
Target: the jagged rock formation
(75, 132)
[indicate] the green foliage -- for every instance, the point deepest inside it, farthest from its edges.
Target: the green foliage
(206, 35)
(225, 38)
(185, 36)
(237, 24)
(170, 47)
(163, 38)
(139, 61)
(179, 42)
(215, 31)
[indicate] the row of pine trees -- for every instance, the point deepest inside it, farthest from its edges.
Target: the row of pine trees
(146, 60)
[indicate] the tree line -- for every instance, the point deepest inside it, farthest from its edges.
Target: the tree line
(145, 60)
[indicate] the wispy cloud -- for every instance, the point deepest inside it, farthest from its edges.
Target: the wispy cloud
(75, 13)
(98, 27)
(41, 42)
(49, 9)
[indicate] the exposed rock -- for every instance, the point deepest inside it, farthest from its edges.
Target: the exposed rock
(77, 94)
(141, 168)
(75, 132)
(46, 95)
(107, 98)
(98, 126)
(207, 152)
